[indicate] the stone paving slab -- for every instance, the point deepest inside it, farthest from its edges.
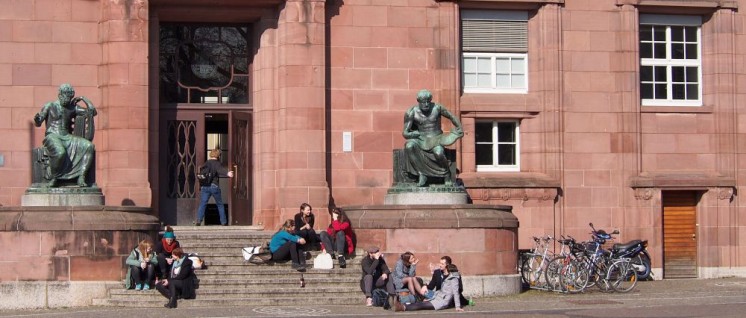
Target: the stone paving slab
(725, 297)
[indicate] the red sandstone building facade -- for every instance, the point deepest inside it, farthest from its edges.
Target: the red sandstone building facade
(624, 113)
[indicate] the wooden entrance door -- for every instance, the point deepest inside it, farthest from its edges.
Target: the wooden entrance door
(240, 134)
(680, 234)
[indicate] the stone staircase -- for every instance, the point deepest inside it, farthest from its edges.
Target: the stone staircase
(230, 281)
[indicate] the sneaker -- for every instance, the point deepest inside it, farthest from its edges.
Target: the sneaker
(342, 263)
(369, 302)
(298, 267)
(145, 287)
(197, 223)
(138, 287)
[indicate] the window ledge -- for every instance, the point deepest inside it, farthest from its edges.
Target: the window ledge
(676, 109)
(508, 180)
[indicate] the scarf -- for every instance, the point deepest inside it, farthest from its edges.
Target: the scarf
(168, 248)
(176, 267)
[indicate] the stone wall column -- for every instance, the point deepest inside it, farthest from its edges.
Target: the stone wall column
(293, 61)
(122, 124)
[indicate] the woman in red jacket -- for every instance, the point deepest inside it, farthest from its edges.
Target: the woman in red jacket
(338, 235)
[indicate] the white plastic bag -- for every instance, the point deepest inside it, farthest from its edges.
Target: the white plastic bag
(249, 252)
(323, 261)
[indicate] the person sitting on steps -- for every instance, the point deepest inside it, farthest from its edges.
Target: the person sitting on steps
(304, 221)
(180, 281)
(439, 276)
(163, 251)
(405, 274)
(338, 235)
(376, 274)
(284, 245)
(142, 262)
(443, 298)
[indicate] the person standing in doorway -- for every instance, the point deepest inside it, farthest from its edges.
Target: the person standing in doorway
(213, 188)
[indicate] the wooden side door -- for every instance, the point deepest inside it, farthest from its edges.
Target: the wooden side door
(240, 134)
(680, 234)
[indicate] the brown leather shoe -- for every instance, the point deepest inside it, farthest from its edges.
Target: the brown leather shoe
(399, 306)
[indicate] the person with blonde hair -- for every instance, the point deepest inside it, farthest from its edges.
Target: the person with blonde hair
(284, 245)
(142, 261)
(213, 188)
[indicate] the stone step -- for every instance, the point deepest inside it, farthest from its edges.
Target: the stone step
(239, 260)
(279, 300)
(289, 278)
(279, 271)
(243, 292)
(218, 228)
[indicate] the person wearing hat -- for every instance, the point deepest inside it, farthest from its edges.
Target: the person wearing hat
(375, 273)
(163, 252)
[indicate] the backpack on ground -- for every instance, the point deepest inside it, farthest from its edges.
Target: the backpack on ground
(380, 298)
(206, 175)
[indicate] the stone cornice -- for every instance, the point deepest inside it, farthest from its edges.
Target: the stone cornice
(680, 180)
(727, 4)
(505, 1)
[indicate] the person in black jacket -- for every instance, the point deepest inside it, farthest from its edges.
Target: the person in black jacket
(375, 274)
(213, 164)
(180, 281)
(439, 275)
(304, 221)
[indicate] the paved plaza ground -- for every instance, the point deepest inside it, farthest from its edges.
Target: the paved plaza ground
(725, 297)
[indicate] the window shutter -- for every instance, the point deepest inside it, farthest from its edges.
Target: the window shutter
(494, 31)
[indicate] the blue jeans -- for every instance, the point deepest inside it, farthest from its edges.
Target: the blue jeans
(214, 191)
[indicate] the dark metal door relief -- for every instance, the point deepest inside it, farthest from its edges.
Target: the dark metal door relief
(241, 158)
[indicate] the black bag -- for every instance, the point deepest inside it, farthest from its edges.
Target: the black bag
(206, 176)
(380, 298)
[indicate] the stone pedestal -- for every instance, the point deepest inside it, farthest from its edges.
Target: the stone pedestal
(66, 256)
(426, 197)
(64, 196)
(481, 239)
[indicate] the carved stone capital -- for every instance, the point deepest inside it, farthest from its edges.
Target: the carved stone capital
(643, 193)
(725, 193)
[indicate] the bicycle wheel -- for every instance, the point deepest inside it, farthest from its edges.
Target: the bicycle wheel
(533, 273)
(622, 276)
(574, 276)
(526, 270)
(552, 273)
(600, 272)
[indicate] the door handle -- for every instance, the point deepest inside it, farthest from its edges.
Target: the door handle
(235, 177)
(694, 236)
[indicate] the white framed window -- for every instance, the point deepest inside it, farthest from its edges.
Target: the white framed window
(670, 60)
(497, 145)
(495, 72)
(494, 47)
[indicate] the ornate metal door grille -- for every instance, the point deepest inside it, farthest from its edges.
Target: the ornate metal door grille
(181, 158)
